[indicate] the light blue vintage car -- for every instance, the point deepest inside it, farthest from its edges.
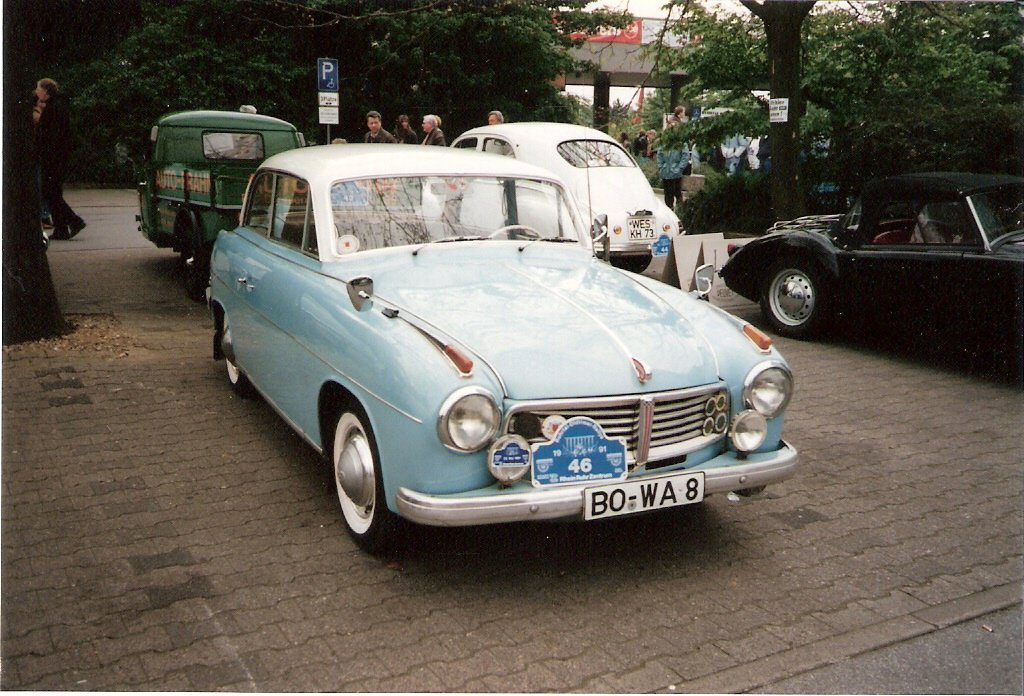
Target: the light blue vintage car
(435, 322)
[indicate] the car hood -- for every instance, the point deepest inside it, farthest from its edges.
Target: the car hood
(550, 321)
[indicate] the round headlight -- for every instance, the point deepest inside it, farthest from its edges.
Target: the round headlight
(748, 431)
(468, 420)
(768, 388)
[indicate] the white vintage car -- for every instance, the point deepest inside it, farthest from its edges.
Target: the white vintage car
(602, 176)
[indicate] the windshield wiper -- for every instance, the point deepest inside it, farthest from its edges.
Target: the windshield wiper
(462, 238)
(551, 240)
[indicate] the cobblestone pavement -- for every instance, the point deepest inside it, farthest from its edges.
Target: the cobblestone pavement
(160, 534)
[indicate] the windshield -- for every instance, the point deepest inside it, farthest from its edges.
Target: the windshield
(594, 153)
(999, 211)
(389, 212)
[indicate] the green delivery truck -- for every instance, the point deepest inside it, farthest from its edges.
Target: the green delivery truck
(195, 179)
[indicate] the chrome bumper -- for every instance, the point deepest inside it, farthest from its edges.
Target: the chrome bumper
(722, 474)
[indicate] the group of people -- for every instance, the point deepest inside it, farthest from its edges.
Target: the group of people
(51, 116)
(404, 134)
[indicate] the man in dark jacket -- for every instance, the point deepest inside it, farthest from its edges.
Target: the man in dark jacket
(432, 127)
(376, 134)
(53, 145)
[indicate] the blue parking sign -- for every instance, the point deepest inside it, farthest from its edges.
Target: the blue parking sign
(327, 74)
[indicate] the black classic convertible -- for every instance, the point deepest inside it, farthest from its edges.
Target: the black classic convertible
(933, 257)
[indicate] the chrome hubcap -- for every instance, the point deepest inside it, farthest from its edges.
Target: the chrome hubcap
(793, 298)
(354, 471)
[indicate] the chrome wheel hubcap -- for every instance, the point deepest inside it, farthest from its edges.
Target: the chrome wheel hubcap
(792, 297)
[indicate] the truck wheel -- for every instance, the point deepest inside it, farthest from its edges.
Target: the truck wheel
(195, 257)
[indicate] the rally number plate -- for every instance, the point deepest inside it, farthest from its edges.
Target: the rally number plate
(641, 228)
(628, 497)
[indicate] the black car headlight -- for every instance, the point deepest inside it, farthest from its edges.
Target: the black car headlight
(468, 420)
(768, 388)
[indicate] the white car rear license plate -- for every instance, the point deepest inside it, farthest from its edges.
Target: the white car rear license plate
(641, 228)
(628, 497)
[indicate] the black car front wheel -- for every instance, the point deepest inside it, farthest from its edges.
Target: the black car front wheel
(795, 298)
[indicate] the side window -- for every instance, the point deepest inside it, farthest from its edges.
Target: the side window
(498, 147)
(291, 205)
(895, 223)
(942, 222)
(467, 143)
(258, 215)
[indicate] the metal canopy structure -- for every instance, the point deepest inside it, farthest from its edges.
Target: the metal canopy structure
(622, 60)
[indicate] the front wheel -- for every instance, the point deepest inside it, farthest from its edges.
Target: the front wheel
(360, 490)
(795, 298)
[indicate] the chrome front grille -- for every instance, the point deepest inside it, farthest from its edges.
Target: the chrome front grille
(659, 426)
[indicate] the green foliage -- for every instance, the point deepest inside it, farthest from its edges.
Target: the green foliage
(916, 87)
(889, 87)
(458, 59)
(735, 204)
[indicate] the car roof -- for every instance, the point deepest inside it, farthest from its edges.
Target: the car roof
(230, 120)
(540, 131)
(327, 163)
(938, 184)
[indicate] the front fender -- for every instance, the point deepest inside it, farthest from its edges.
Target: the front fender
(745, 271)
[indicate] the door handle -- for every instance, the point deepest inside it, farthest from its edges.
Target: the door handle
(244, 282)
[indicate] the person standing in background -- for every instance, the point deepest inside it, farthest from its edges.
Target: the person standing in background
(671, 166)
(44, 210)
(376, 134)
(432, 127)
(53, 147)
(403, 133)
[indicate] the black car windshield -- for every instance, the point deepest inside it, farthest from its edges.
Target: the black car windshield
(999, 211)
(396, 211)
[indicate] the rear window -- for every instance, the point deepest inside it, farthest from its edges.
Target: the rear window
(594, 153)
(233, 146)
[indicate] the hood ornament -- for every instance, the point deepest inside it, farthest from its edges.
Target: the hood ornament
(643, 371)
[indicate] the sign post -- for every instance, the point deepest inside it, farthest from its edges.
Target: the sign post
(327, 85)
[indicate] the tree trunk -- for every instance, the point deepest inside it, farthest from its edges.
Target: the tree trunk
(30, 308)
(782, 20)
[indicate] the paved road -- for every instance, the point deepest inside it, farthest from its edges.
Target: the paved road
(160, 534)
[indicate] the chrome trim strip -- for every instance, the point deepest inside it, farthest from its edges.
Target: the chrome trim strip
(643, 441)
(567, 502)
(437, 334)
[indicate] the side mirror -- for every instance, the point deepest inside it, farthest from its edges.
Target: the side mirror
(703, 278)
(360, 291)
(599, 233)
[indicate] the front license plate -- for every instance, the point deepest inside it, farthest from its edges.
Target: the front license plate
(641, 228)
(628, 497)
